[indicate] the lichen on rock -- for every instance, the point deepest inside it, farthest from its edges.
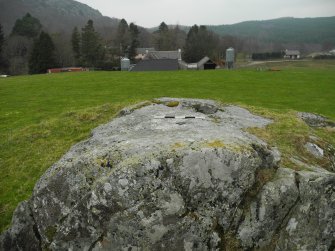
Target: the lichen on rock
(184, 182)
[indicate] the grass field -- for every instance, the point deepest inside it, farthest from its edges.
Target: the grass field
(43, 115)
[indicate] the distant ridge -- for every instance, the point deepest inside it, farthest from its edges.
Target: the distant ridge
(316, 30)
(55, 15)
(283, 30)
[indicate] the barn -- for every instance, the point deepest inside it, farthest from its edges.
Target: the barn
(206, 64)
(292, 54)
(159, 61)
(157, 65)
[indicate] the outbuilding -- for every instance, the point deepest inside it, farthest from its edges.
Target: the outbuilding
(292, 54)
(206, 64)
(159, 61)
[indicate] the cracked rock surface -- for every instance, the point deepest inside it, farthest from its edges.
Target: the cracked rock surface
(147, 183)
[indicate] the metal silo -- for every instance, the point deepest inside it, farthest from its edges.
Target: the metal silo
(230, 58)
(125, 64)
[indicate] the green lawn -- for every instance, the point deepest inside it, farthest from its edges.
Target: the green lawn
(43, 115)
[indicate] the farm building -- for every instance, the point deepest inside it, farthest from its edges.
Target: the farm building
(157, 65)
(157, 55)
(169, 61)
(159, 61)
(206, 64)
(292, 54)
(142, 52)
(191, 66)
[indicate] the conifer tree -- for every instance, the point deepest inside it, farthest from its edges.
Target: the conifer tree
(28, 26)
(162, 37)
(91, 50)
(43, 55)
(122, 37)
(2, 39)
(75, 41)
(134, 42)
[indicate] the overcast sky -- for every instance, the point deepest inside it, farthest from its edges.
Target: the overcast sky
(149, 13)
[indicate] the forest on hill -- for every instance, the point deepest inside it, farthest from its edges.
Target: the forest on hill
(283, 30)
(55, 15)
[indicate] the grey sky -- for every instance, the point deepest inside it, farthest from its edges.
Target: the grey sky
(149, 13)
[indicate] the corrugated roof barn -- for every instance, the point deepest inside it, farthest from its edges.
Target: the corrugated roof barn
(163, 55)
(157, 65)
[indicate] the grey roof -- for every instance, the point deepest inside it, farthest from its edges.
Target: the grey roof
(203, 61)
(292, 52)
(157, 65)
(144, 50)
(163, 55)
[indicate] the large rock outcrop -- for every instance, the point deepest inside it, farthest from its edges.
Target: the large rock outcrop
(178, 174)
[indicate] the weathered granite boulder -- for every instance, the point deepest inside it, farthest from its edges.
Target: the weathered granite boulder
(147, 182)
(315, 120)
(296, 210)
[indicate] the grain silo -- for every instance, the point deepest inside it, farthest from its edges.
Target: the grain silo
(230, 58)
(125, 64)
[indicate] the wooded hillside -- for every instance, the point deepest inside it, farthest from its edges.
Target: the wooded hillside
(55, 15)
(283, 30)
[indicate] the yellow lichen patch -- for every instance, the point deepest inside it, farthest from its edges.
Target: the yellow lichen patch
(133, 161)
(231, 147)
(215, 144)
(240, 148)
(172, 104)
(50, 232)
(102, 162)
(215, 119)
(156, 101)
(177, 145)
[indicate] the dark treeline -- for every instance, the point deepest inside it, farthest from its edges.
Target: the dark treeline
(2, 41)
(267, 55)
(324, 56)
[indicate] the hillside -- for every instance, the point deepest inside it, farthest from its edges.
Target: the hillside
(283, 30)
(55, 15)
